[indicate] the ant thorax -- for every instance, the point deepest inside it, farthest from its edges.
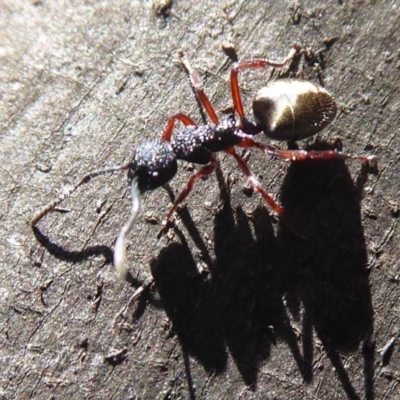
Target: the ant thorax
(197, 143)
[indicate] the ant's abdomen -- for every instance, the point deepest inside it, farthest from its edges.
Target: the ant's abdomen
(290, 109)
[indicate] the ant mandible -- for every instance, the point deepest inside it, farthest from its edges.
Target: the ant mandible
(287, 110)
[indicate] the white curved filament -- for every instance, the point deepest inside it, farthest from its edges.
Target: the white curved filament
(120, 245)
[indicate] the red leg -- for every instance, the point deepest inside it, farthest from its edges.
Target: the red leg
(237, 100)
(171, 123)
(204, 171)
(254, 182)
(197, 85)
(302, 155)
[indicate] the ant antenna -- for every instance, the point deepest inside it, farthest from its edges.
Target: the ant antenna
(120, 244)
(87, 178)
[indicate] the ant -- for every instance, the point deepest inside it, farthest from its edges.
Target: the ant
(286, 110)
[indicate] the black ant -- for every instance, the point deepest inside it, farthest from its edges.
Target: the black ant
(287, 110)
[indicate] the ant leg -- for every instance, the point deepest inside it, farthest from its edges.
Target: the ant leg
(254, 182)
(198, 87)
(303, 155)
(204, 171)
(237, 100)
(171, 123)
(120, 244)
(87, 178)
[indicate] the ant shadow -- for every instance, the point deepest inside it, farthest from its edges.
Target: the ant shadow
(324, 263)
(60, 253)
(78, 256)
(310, 271)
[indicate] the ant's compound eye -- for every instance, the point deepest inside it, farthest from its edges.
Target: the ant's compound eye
(154, 165)
(290, 109)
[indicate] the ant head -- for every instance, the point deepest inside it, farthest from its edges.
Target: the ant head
(154, 164)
